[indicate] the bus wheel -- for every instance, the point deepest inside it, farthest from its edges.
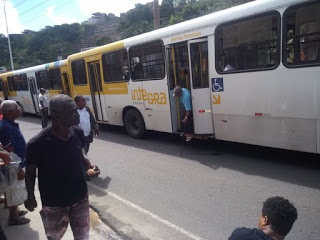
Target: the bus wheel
(134, 123)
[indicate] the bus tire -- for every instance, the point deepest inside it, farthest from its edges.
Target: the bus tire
(134, 123)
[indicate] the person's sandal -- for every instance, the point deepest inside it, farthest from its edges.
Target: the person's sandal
(22, 213)
(20, 221)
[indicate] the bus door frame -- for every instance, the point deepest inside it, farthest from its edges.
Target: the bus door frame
(65, 83)
(5, 90)
(174, 102)
(34, 93)
(201, 97)
(96, 90)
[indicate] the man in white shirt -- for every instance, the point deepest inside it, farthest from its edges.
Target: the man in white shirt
(87, 122)
(43, 105)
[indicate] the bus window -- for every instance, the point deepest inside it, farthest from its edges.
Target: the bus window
(54, 77)
(248, 44)
(17, 82)
(42, 79)
(12, 85)
(147, 61)
(66, 84)
(79, 72)
(24, 82)
(178, 66)
(199, 63)
(301, 42)
(115, 66)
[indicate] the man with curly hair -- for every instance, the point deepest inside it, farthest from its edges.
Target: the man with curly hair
(275, 222)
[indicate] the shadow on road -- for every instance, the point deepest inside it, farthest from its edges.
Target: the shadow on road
(103, 183)
(284, 165)
(288, 166)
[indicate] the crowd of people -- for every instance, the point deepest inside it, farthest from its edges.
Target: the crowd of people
(62, 177)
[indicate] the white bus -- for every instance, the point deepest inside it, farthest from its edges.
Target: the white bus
(23, 86)
(253, 72)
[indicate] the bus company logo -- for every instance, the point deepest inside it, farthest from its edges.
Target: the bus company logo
(185, 36)
(152, 98)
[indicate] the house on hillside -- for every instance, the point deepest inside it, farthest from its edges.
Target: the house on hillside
(177, 3)
(97, 18)
(3, 69)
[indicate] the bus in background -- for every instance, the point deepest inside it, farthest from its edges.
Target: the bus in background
(253, 72)
(23, 85)
(4, 89)
(3, 85)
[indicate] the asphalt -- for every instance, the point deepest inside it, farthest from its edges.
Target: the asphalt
(35, 231)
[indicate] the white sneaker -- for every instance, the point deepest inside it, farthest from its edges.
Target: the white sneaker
(188, 139)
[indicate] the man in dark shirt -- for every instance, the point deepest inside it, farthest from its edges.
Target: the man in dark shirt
(11, 136)
(57, 152)
(13, 141)
(275, 222)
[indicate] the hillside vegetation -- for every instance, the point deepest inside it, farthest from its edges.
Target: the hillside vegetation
(52, 42)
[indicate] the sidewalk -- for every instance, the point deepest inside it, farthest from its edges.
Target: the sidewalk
(35, 231)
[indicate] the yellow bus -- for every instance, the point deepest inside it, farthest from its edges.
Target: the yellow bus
(23, 85)
(253, 72)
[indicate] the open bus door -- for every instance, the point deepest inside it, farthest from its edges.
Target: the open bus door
(4, 89)
(34, 94)
(178, 74)
(97, 97)
(65, 84)
(200, 90)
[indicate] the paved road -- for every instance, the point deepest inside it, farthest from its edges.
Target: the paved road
(147, 190)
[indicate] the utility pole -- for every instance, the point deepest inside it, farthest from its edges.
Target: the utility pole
(156, 15)
(5, 16)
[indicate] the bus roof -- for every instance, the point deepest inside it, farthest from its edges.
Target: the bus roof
(192, 28)
(105, 48)
(37, 68)
(172, 34)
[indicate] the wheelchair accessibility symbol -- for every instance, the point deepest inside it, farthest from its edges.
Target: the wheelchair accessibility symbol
(217, 84)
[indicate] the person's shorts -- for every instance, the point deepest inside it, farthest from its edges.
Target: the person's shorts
(56, 219)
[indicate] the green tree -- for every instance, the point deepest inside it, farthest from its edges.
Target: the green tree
(139, 20)
(4, 52)
(47, 44)
(102, 40)
(167, 1)
(140, 13)
(202, 7)
(166, 10)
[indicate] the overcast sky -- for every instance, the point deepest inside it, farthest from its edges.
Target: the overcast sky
(36, 14)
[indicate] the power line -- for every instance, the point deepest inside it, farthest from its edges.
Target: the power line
(44, 13)
(33, 18)
(19, 3)
(33, 7)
